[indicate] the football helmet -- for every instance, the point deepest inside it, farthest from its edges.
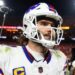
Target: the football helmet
(30, 29)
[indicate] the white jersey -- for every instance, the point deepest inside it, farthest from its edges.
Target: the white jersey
(19, 61)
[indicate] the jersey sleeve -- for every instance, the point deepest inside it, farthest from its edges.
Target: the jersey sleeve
(62, 60)
(4, 56)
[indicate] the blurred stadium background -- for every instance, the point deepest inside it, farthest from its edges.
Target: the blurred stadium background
(11, 15)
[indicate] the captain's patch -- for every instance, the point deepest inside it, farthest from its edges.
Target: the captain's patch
(19, 71)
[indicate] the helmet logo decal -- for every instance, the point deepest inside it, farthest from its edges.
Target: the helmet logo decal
(33, 7)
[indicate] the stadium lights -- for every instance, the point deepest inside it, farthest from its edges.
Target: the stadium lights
(65, 27)
(3, 37)
(2, 3)
(10, 27)
(73, 38)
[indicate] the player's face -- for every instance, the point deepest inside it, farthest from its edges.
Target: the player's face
(44, 27)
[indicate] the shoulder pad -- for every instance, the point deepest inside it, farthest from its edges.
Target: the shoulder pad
(58, 53)
(4, 48)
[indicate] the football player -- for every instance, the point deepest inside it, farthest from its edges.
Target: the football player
(42, 28)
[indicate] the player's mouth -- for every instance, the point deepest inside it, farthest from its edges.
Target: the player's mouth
(47, 37)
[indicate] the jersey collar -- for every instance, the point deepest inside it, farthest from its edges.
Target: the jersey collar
(47, 56)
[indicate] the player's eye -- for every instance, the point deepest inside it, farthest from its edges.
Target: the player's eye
(44, 23)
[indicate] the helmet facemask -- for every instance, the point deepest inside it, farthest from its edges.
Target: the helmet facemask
(35, 35)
